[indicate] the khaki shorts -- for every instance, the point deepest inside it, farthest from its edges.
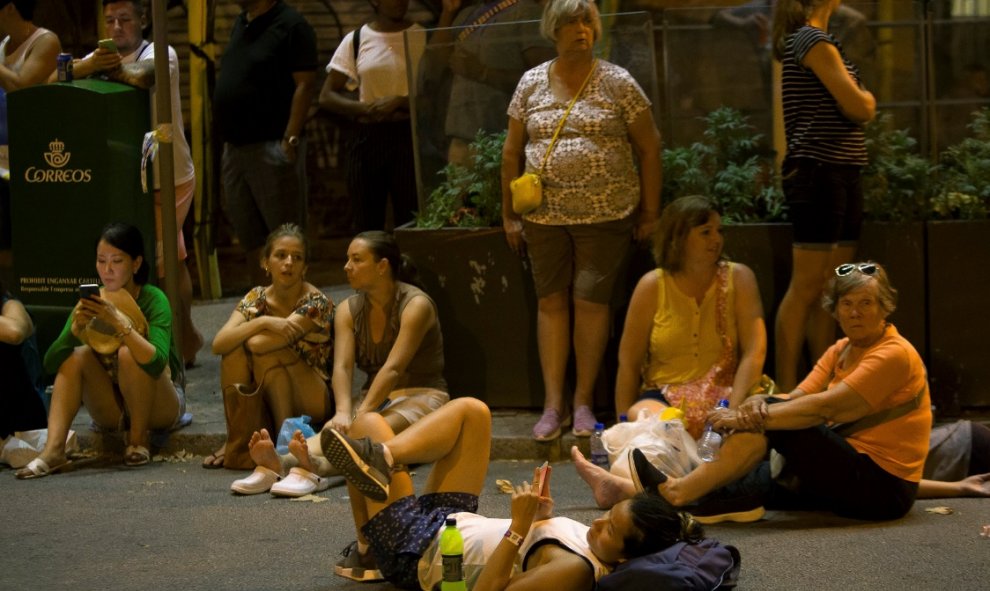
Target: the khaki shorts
(584, 257)
(413, 404)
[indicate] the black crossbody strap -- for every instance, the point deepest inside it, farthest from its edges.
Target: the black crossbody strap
(878, 418)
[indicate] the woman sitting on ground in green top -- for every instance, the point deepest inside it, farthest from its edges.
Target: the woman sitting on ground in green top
(116, 356)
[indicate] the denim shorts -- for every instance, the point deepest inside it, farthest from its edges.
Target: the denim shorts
(824, 200)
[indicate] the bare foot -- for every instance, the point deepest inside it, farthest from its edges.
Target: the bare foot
(262, 450)
(300, 451)
(607, 488)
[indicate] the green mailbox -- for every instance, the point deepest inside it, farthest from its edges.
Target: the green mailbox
(75, 165)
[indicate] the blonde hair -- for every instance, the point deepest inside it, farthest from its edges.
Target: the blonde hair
(557, 10)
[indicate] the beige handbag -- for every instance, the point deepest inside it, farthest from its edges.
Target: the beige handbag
(527, 189)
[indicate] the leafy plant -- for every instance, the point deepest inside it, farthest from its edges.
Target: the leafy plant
(897, 182)
(727, 167)
(469, 196)
(963, 186)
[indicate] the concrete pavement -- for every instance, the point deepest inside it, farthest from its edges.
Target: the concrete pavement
(177, 526)
(174, 525)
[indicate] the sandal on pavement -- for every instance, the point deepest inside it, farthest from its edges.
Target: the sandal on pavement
(38, 468)
(260, 481)
(214, 461)
(136, 455)
(300, 482)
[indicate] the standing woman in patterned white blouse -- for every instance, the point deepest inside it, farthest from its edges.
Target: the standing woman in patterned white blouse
(595, 198)
(825, 107)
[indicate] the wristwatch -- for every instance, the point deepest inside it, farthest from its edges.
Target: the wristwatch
(293, 140)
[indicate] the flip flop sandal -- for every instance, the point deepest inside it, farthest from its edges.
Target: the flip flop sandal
(136, 455)
(214, 461)
(38, 468)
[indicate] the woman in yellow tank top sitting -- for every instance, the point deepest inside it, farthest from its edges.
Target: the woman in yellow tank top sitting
(705, 339)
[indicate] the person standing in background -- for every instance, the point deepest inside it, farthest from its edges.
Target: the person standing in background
(596, 201)
(380, 161)
(134, 63)
(27, 57)
(825, 108)
(262, 96)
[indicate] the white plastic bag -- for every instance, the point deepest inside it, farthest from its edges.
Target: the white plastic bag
(666, 444)
(23, 446)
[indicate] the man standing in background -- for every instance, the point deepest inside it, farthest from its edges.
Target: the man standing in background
(131, 59)
(263, 93)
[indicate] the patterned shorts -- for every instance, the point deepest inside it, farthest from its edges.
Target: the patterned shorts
(401, 532)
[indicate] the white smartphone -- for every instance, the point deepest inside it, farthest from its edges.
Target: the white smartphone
(107, 44)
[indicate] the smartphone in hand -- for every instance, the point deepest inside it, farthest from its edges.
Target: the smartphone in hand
(543, 480)
(89, 290)
(108, 44)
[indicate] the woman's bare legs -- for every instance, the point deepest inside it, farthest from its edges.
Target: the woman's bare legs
(291, 387)
(740, 453)
(653, 407)
(457, 437)
(607, 488)
(808, 274)
(590, 338)
(553, 338)
(80, 380)
(235, 368)
(157, 411)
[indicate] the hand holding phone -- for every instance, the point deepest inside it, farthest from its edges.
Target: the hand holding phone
(89, 290)
(108, 44)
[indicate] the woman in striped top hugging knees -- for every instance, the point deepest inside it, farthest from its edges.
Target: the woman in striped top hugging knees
(825, 108)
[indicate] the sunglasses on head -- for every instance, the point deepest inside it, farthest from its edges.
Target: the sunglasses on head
(864, 268)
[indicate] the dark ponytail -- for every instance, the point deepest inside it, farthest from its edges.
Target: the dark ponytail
(383, 246)
(659, 525)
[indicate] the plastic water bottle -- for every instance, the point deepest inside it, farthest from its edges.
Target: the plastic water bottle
(452, 553)
(599, 456)
(711, 441)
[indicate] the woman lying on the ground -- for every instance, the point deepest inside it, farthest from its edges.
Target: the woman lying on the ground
(278, 340)
(854, 434)
(958, 462)
(389, 330)
(705, 338)
(532, 550)
(116, 356)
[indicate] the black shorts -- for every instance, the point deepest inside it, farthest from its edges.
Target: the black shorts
(824, 200)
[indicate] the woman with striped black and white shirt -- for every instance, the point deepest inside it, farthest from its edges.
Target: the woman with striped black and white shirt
(825, 107)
